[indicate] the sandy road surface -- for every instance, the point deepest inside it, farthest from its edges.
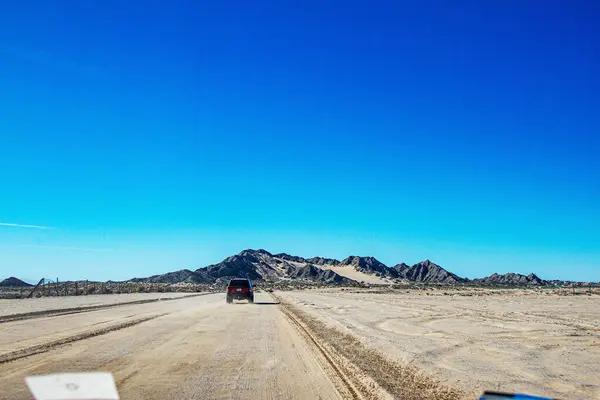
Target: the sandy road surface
(514, 341)
(195, 348)
(8, 307)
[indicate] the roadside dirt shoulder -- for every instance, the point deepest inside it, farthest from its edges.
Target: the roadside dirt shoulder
(366, 373)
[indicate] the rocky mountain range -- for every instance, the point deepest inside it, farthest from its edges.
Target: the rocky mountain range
(262, 266)
(426, 271)
(511, 279)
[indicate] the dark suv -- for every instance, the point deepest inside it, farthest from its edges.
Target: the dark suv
(240, 289)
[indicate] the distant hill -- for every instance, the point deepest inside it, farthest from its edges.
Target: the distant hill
(181, 276)
(262, 266)
(14, 282)
(510, 279)
(426, 271)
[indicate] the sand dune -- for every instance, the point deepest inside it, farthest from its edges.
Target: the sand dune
(348, 271)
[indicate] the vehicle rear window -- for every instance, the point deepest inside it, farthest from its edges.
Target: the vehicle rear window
(239, 283)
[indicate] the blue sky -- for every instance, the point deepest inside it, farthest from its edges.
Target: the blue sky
(154, 136)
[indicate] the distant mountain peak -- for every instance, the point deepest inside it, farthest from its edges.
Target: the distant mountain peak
(401, 268)
(14, 282)
(255, 252)
(426, 263)
(359, 259)
(369, 265)
(427, 271)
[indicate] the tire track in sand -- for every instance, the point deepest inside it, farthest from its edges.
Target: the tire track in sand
(42, 348)
(367, 373)
(77, 310)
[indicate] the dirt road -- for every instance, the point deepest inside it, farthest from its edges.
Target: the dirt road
(190, 348)
(8, 307)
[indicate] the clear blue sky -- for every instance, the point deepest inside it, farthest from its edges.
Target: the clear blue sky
(153, 136)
